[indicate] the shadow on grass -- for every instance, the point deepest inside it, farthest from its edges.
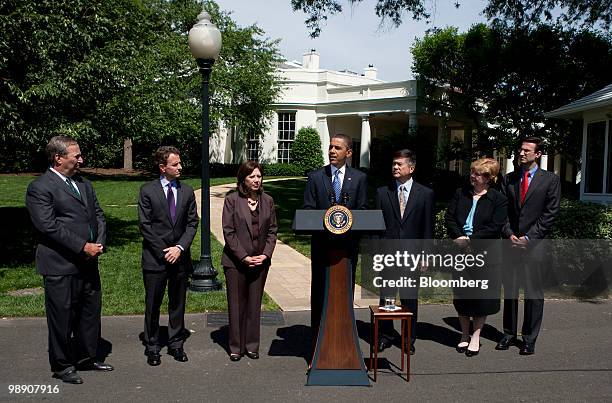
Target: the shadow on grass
(120, 232)
(18, 238)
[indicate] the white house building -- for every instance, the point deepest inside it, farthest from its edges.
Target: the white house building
(595, 110)
(359, 105)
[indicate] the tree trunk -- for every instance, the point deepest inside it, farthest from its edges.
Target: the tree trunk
(127, 155)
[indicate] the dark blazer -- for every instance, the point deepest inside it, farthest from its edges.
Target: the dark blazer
(489, 217)
(238, 232)
(319, 188)
(63, 222)
(418, 220)
(536, 217)
(156, 226)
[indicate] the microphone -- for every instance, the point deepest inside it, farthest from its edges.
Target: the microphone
(332, 198)
(345, 199)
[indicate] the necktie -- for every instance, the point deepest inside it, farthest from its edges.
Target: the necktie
(336, 185)
(171, 203)
(524, 186)
(402, 202)
(78, 195)
(72, 189)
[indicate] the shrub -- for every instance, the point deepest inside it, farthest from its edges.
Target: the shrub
(282, 170)
(306, 150)
(581, 220)
(576, 220)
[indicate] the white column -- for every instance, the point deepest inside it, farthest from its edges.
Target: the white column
(413, 121)
(510, 163)
(544, 162)
(557, 163)
(324, 136)
(366, 134)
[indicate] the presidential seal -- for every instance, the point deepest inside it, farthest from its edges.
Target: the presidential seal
(338, 219)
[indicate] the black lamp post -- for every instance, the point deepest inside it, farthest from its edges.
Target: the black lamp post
(205, 45)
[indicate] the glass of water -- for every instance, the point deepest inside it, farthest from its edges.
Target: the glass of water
(390, 303)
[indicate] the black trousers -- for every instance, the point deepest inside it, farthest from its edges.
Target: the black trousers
(245, 287)
(385, 328)
(73, 305)
(155, 287)
(528, 276)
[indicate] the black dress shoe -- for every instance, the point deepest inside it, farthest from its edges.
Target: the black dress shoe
(412, 349)
(253, 356)
(384, 343)
(70, 377)
(153, 359)
(462, 349)
(235, 357)
(527, 349)
(178, 354)
(506, 342)
(96, 366)
(471, 353)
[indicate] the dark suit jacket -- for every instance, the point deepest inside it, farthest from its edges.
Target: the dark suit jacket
(319, 188)
(238, 232)
(157, 229)
(536, 217)
(489, 217)
(418, 220)
(63, 222)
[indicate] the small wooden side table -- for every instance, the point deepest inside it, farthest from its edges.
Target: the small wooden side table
(377, 314)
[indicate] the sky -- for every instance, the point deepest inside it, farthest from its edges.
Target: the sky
(355, 38)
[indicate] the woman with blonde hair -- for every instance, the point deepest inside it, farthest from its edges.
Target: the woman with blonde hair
(478, 212)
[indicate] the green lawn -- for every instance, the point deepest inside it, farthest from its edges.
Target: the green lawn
(123, 290)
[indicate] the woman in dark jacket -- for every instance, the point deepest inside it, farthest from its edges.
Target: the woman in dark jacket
(478, 212)
(249, 230)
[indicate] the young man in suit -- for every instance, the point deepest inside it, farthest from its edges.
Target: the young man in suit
(72, 234)
(334, 183)
(408, 209)
(168, 223)
(533, 203)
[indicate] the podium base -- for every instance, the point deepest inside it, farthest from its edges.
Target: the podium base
(337, 377)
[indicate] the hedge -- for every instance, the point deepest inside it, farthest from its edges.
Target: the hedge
(576, 220)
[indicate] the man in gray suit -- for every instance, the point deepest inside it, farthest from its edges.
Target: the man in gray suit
(533, 203)
(72, 234)
(168, 223)
(409, 212)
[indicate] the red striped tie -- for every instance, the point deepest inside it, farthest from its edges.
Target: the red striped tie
(524, 186)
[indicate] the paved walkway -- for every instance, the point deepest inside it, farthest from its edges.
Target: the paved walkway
(288, 282)
(571, 363)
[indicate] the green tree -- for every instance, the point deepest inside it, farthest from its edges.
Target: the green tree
(104, 71)
(578, 13)
(306, 150)
(504, 80)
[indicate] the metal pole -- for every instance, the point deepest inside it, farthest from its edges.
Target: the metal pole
(204, 277)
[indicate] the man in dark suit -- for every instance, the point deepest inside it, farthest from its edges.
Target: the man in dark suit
(334, 183)
(72, 234)
(168, 223)
(533, 203)
(408, 210)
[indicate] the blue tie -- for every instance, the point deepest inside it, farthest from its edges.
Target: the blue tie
(336, 185)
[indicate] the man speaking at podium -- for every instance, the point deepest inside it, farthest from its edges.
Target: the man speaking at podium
(335, 183)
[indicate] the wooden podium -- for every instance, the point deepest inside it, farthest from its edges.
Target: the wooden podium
(337, 359)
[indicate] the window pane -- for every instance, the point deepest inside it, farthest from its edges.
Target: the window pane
(595, 157)
(286, 134)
